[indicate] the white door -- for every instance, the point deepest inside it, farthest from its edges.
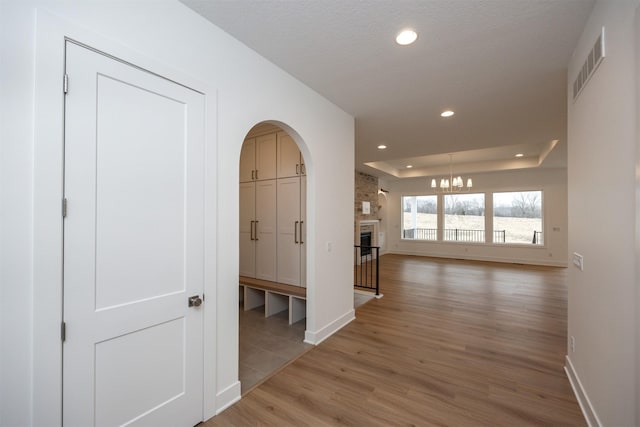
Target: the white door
(133, 239)
(289, 231)
(265, 230)
(248, 229)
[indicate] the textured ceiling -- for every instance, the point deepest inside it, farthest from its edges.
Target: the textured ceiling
(499, 64)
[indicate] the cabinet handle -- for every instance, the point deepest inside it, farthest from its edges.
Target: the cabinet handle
(253, 174)
(301, 222)
(255, 224)
(295, 232)
(303, 170)
(297, 169)
(256, 173)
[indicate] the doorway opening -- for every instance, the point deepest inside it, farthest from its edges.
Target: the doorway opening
(272, 258)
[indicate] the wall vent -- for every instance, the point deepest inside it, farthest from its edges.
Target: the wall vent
(594, 58)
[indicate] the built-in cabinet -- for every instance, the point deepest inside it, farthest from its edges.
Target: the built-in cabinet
(258, 158)
(291, 230)
(273, 210)
(289, 158)
(258, 229)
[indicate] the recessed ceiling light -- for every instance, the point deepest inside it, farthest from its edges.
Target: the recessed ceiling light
(381, 147)
(406, 37)
(519, 155)
(447, 113)
(409, 166)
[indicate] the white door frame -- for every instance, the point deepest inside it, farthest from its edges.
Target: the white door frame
(51, 33)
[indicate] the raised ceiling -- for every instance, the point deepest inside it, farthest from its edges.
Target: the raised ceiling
(499, 64)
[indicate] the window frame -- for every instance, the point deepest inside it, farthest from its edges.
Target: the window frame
(489, 228)
(471, 231)
(402, 212)
(542, 220)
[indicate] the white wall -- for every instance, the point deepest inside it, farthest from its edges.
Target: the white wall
(552, 182)
(249, 90)
(603, 302)
(637, 185)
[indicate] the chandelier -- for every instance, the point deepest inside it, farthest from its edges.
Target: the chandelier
(451, 184)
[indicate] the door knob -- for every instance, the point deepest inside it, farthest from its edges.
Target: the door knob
(195, 301)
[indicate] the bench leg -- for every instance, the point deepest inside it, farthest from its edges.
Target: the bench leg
(253, 298)
(275, 304)
(297, 309)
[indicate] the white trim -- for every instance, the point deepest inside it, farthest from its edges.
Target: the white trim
(361, 292)
(581, 395)
(228, 397)
(51, 31)
(481, 258)
(47, 221)
(317, 337)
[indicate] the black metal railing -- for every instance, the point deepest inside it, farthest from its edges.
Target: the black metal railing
(452, 234)
(366, 267)
(458, 234)
(537, 238)
(461, 235)
(420, 233)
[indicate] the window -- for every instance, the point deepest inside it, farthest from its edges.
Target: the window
(420, 217)
(464, 217)
(517, 217)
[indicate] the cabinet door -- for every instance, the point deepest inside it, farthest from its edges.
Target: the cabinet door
(288, 156)
(303, 231)
(289, 230)
(266, 157)
(266, 230)
(247, 236)
(248, 160)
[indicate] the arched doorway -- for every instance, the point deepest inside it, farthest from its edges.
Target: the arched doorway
(272, 254)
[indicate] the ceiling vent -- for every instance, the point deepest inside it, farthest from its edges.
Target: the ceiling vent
(594, 58)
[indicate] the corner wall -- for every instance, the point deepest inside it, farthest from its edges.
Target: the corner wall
(603, 139)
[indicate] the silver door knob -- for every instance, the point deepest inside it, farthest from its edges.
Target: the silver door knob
(195, 301)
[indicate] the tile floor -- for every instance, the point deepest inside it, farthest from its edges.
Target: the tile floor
(266, 344)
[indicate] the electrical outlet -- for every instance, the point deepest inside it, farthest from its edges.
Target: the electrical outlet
(573, 344)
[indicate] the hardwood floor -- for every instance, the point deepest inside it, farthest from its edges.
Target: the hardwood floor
(452, 343)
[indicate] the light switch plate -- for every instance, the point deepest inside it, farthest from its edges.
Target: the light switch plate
(578, 261)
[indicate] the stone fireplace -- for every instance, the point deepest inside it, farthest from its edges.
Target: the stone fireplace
(366, 222)
(370, 228)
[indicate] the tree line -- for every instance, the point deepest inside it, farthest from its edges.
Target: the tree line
(523, 205)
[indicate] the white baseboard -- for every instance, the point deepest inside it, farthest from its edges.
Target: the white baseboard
(483, 258)
(581, 395)
(228, 397)
(317, 337)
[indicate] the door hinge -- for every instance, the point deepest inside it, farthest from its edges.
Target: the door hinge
(64, 208)
(65, 83)
(63, 331)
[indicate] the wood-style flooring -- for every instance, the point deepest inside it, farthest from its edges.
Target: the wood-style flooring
(452, 343)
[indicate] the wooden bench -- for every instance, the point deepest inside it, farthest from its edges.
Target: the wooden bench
(276, 297)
